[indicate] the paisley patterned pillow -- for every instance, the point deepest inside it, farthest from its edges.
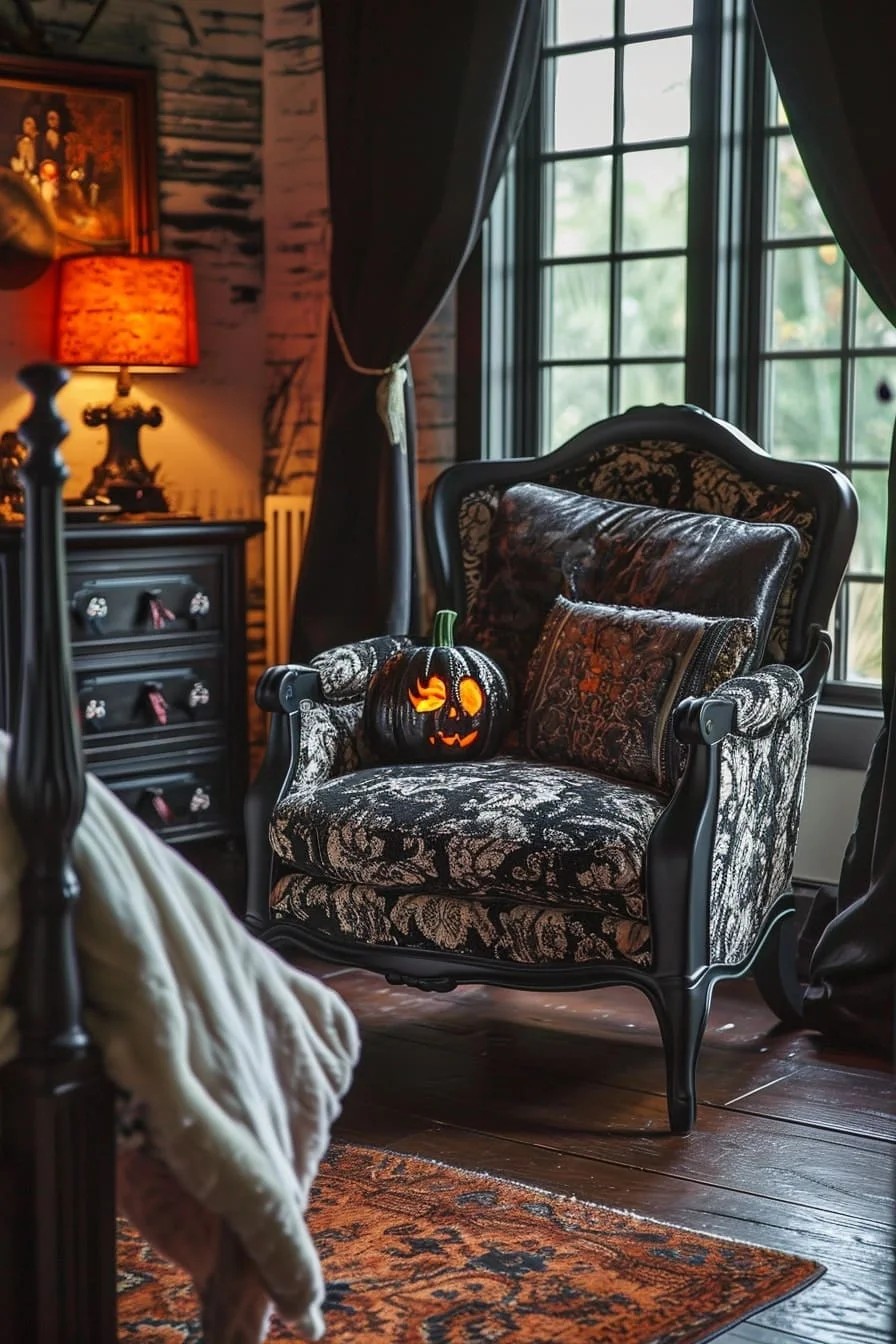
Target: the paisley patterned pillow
(603, 682)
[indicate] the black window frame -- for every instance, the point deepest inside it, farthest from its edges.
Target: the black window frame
(498, 301)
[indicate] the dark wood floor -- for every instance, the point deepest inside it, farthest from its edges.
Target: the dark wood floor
(793, 1147)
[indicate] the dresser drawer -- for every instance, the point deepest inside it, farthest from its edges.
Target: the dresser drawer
(116, 605)
(177, 803)
(165, 696)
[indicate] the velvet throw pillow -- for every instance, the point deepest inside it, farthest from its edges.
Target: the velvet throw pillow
(545, 542)
(604, 681)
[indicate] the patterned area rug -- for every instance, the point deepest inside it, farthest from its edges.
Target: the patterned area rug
(414, 1251)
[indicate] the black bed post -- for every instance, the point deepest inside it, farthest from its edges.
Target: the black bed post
(56, 1106)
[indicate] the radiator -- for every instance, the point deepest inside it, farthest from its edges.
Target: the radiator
(286, 526)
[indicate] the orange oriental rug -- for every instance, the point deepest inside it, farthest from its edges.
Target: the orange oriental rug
(415, 1252)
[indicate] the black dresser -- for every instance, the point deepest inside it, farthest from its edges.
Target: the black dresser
(157, 616)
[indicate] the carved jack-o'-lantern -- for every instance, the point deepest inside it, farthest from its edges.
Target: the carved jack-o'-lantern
(439, 703)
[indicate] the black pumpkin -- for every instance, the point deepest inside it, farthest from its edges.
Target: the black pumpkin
(438, 703)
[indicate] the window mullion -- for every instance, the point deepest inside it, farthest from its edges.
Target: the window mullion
(524, 431)
(754, 286)
(615, 334)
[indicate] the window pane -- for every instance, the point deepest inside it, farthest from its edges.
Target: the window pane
(583, 100)
(583, 20)
(643, 16)
(865, 604)
(653, 304)
(797, 212)
(577, 311)
(648, 384)
(577, 191)
(654, 199)
(573, 398)
(657, 89)
(868, 552)
(805, 409)
(873, 418)
(808, 298)
(872, 328)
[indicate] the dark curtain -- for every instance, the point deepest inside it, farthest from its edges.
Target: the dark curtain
(424, 99)
(833, 63)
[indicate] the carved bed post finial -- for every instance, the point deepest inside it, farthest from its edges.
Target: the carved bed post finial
(46, 775)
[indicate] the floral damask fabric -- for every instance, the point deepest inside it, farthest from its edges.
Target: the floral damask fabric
(331, 743)
(500, 826)
(490, 926)
(669, 475)
(763, 698)
(762, 776)
(474, 521)
(346, 669)
(604, 681)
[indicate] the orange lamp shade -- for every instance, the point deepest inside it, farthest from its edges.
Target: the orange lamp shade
(116, 310)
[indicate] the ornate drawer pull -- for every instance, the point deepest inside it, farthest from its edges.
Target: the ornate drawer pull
(200, 802)
(95, 710)
(92, 612)
(160, 805)
(199, 695)
(158, 705)
(159, 614)
(200, 604)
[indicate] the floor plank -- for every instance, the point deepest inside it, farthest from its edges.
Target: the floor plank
(793, 1147)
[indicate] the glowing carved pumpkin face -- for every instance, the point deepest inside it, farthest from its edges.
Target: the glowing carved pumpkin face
(433, 697)
(440, 702)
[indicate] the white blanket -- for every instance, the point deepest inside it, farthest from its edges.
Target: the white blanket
(240, 1060)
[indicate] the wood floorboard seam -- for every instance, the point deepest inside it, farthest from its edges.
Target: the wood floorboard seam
(630, 1166)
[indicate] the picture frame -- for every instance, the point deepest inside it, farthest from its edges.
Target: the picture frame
(83, 137)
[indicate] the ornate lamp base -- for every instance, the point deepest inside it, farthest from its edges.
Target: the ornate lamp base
(123, 478)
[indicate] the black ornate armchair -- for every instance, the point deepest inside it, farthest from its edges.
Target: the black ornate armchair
(665, 864)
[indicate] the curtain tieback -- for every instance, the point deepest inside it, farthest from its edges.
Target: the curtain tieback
(389, 391)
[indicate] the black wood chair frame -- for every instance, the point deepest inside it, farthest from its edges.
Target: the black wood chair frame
(681, 976)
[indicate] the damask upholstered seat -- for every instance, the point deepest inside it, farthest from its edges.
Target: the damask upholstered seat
(655, 592)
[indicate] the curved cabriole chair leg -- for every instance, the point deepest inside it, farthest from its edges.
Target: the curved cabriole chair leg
(775, 973)
(681, 1012)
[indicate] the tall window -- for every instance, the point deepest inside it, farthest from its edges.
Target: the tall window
(613, 163)
(662, 243)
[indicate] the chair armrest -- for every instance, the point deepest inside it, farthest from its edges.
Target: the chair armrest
(315, 733)
(345, 670)
(748, 706)
(308, 742)
(280, 689)
(751, 705)
(740, 797)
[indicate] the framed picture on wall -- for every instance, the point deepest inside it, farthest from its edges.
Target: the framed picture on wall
(82, 137)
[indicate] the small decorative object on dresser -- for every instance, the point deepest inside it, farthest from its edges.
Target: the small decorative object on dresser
(157, 621)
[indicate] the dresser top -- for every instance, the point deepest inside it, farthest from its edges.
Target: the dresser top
(138, 531)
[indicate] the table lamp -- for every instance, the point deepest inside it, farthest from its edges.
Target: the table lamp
(125, 312)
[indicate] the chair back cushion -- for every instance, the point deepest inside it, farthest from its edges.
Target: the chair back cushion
(668, 457)
(604, 682)
(545, 541)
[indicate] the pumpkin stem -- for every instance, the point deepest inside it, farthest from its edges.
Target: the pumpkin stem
(443, 629)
